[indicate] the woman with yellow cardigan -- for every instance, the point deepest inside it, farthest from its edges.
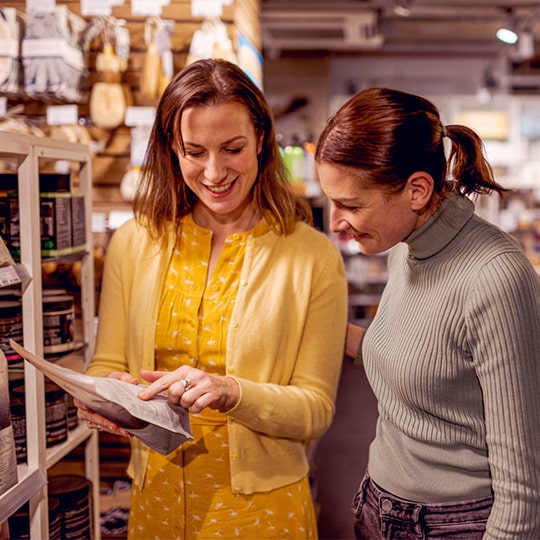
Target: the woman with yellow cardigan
(222, 293)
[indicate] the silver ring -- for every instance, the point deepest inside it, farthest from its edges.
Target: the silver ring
(186, 383)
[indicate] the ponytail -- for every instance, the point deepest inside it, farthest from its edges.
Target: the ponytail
(469, 170)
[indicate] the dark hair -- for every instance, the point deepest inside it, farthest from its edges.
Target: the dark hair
(390, 134)
(163, 197)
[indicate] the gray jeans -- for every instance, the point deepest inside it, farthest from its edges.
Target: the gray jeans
(381, 515)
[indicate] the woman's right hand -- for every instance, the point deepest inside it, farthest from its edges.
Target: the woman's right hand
(95, 420)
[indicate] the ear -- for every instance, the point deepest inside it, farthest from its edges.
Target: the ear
(420, 188)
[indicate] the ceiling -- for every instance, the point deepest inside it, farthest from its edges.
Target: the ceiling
(390, 26)
(399, 28)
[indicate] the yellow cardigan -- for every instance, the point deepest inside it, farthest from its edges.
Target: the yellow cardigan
(285, 344)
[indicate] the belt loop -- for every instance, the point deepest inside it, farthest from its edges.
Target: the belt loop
(419, 526)
(361, 495)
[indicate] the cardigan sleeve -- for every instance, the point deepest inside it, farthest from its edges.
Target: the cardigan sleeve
(504, 328)
(131, 287)
(110, 352)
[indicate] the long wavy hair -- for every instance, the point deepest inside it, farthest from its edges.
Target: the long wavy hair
(163, 197)
(388, 135)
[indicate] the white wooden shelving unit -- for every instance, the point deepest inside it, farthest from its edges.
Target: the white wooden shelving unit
(28, 152)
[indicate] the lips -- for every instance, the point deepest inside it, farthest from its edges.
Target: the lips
(220, 190)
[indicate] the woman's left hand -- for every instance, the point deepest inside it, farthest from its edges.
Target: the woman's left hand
(192, 388)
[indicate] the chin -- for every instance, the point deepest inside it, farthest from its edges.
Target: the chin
(369, 250)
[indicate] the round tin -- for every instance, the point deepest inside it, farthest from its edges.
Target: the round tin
(58, 324)
(55, 414)
(74, 494)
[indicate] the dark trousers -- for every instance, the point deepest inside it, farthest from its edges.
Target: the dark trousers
(381, 515)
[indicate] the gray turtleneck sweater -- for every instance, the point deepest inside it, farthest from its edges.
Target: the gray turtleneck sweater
(453, 356)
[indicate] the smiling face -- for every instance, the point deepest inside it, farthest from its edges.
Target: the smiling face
(219, 163)
(375, 219)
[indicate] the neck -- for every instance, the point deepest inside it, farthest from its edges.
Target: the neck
(225, 224)
(429, 211)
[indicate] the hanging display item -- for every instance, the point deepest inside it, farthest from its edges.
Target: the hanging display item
(211, 40)
(158, 65)
(109, 97)
(53, 56)
(10, 64)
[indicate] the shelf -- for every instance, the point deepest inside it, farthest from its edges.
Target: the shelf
(74, 256)
(31, 155)
(74, 439)
(31, 481)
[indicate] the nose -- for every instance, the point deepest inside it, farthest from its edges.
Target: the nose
(336, 220)
(215, 169)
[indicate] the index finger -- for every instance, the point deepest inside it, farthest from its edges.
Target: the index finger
(158, 385)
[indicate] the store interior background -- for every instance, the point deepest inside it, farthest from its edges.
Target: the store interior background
(315, 54)
(447, 51)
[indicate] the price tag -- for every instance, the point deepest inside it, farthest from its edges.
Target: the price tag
(139, 116)
(140, 135)
(96, 8)
(40, 6)
(148, 8)
(59, 115)
(8, 276)
(206, 8)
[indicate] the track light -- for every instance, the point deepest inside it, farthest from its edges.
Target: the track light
(402, 7)
(525, 49)
(508, 33)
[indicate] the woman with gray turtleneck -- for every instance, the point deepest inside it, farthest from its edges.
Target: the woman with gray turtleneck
(453, 353)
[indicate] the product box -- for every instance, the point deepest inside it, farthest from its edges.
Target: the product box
(8, 458)
(14, 228)
(78, 222)
(9, 209)
(4, 217)
(55, 211)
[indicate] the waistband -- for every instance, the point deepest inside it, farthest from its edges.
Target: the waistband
(428, 513)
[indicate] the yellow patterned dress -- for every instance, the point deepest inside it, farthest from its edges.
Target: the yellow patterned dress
(187, 494)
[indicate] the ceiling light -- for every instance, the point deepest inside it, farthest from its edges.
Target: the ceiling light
(508, 33)
(402, 7)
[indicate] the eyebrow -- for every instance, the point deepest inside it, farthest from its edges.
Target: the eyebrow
(224, 143)
(345, 200)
